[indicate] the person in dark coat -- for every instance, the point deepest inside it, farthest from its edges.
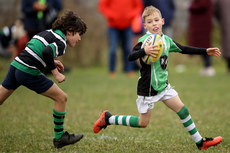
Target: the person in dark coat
(199, 30)
(222, 10)
(34, 23)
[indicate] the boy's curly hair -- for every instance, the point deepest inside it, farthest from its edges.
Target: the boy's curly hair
(70, 22)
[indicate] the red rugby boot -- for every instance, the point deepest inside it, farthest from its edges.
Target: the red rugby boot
(208, 142)
(102, 122)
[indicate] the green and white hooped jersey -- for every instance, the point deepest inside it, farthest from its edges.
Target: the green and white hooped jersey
(31, 60)
(153, 78)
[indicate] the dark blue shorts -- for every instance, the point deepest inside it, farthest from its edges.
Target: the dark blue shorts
(15, 78)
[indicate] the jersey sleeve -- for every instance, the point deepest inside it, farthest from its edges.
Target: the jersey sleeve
(58, 48)
(47, 54)
(171, 45)
(191, 50)
(176, 47)
(53, 50)
(137, 52)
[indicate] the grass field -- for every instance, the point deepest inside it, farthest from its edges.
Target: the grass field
(26, 123)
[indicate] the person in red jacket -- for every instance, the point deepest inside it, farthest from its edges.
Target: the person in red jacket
(119, 16)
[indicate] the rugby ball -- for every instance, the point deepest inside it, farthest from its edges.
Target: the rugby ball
(155, 39)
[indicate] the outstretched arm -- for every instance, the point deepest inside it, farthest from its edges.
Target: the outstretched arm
(213, 52)
(191, 50)
(199, 51)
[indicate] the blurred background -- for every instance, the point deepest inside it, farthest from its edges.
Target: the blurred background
(93, 48)
(91, 90)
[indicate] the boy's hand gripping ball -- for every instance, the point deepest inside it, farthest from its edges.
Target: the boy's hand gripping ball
(156, 40)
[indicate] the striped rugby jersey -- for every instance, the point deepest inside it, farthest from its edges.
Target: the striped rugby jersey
(154, 78)
(31, 60)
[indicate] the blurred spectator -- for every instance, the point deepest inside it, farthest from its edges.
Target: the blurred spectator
(13, 39)
(51, 12)
(119, 15)
(167, 8)
(39, 14)
(155, 3)
(199, 30)
(6, 41)
(222, 11)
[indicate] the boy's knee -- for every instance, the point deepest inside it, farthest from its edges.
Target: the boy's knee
(65, 97)
(62, 98)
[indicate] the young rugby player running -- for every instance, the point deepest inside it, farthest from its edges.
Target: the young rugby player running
(40, 53)
(153, 85)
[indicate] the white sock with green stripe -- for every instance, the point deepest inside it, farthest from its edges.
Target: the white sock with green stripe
(188, 123)
(131, 121)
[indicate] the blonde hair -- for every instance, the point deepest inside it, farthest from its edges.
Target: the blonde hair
(149, 10)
